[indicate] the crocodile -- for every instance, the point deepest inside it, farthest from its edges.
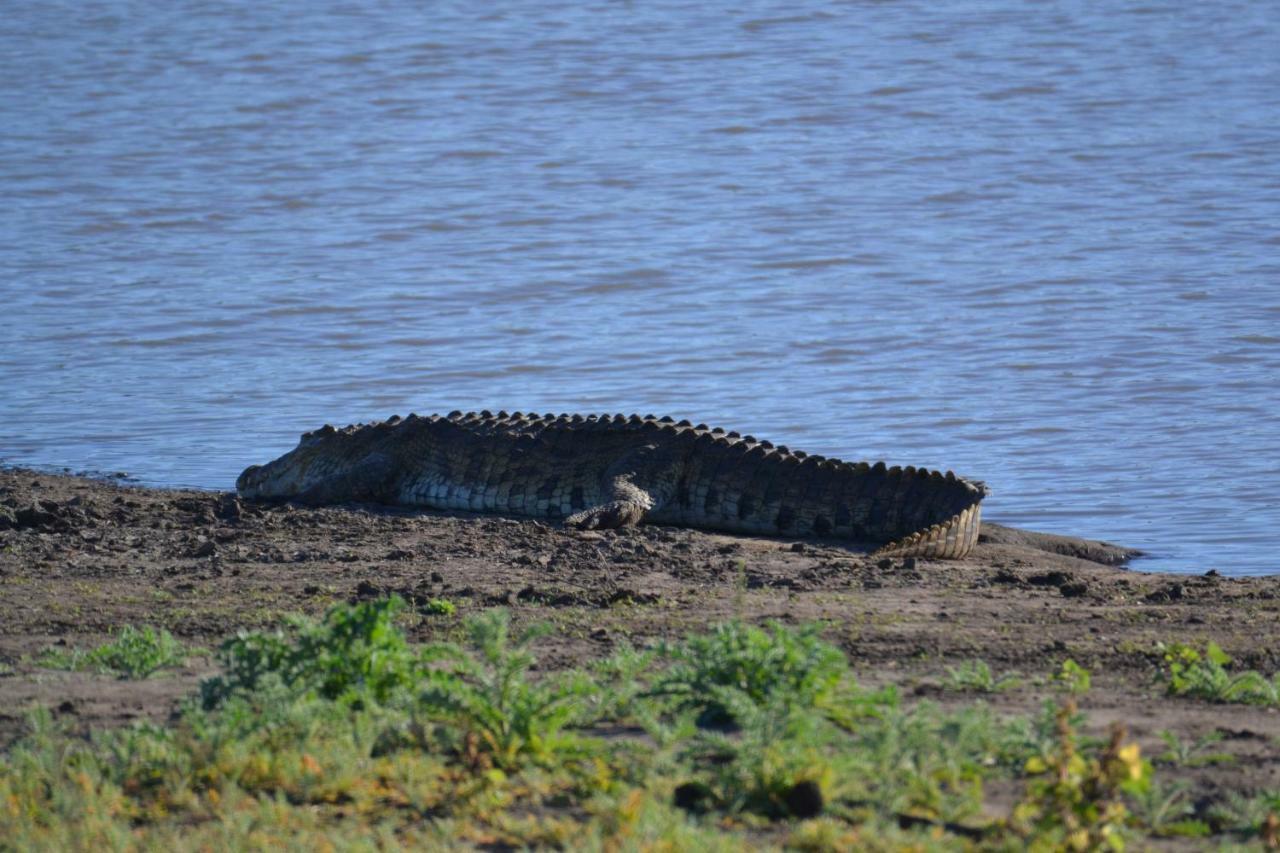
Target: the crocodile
(610, 471)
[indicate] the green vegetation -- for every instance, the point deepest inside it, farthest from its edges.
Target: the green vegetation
(440, 607)
(975, 676)
(1205, 675)
(134, 653)
(1073, 678)
(489, 712)
(339, 733)
(1167, 810)
(1179, 753)
(356, 652)
(1075, 801)
(794, 666)
(1257, 815)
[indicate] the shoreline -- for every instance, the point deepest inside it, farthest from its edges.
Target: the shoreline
(1137, 560)
(80, 558)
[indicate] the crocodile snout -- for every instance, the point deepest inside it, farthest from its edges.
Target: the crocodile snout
(248, 480)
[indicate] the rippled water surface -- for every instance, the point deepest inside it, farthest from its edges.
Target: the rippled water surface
(1036, 243)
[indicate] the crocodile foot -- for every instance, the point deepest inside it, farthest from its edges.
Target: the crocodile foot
(608, 516)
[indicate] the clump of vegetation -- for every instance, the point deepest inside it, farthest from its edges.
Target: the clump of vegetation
(1257, 816)
(355, 650)
(1073, 678)
(133, 653)
(792, 666)
(1206, 675)
(338, 732)
(1180, 753)
(975, 676)
(777, 764)
(1167, 810)
(489, 709)
(440, 607)
(1075, 801)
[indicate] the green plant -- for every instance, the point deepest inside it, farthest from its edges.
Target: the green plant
(976, 676)
(622, 679)
(925, 764)
(1075, 801)
(1073, 678)
(494, 714)
(1180, 753)
(1189, 672)
(1038, 735)
(777, 765)
(793, 665)
(1166, 810)
(133, 653)
(355, 649)
(440, 607)
(1257, 815)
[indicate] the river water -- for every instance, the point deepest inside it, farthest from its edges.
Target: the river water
(1037, 243)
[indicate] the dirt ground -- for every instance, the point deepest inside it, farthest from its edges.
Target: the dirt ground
(82, 557)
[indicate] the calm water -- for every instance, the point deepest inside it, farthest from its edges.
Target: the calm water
(1038, 243)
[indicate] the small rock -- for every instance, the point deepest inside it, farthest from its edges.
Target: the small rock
(798, 548)
(804, 800)
(230, 508)
(1074, 589)
(693, 797)
(1171, 592)
(34, 516)
(205, 548)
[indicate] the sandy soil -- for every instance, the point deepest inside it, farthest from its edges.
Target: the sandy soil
(81, 557)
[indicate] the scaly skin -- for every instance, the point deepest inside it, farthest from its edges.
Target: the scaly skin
(613, 471)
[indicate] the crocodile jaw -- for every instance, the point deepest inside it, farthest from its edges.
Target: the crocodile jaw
(315, 457)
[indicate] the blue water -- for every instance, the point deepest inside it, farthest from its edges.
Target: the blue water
(1035, 243)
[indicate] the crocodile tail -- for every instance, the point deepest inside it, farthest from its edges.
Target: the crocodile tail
(946, 540)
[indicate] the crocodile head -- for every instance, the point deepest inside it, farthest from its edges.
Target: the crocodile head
(328, 465)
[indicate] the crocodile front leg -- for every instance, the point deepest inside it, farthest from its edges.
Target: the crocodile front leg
(657, 468)
(627, 508)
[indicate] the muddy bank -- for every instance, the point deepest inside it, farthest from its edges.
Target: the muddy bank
(79, 558)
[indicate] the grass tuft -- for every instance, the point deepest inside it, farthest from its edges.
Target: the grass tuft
(134, 653)
(1187, 671)
(975, 676)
